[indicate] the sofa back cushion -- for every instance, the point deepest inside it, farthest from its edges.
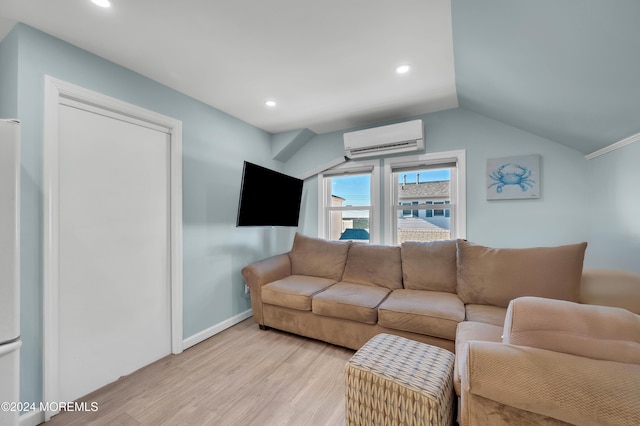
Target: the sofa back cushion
(372, 264)
(317, 257)
(429, 266)
(598, 332)
(492, 276)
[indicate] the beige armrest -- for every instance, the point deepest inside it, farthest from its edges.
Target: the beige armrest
(267, 270)
(263, 272)
(606, 287)
(566, 387)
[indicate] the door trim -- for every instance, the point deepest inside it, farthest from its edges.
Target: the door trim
(58, 92)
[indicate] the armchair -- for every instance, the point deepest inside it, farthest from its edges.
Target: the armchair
(558, 363)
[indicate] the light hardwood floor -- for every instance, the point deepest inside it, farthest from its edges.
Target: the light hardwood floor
(242, 376)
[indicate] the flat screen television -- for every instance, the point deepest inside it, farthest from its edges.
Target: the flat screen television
(268, 198)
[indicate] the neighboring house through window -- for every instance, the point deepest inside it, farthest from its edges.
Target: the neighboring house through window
(434, 186)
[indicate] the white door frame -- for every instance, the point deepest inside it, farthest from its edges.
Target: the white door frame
(58, 92)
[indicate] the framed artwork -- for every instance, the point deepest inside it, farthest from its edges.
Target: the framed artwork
(511, 178)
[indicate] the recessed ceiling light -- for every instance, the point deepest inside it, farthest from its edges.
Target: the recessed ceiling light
(102, 3)
(403, 69)
(270, 103)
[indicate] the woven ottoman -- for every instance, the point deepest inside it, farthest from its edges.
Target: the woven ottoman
(396, 381)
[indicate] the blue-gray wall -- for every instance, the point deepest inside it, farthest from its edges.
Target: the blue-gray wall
(558, 217)
(214, 148)
(9, 77)
(614, 206)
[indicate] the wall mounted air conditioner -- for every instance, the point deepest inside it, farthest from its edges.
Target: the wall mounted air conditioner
(384, 140)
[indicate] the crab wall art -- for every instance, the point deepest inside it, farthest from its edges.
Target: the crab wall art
(513, 177)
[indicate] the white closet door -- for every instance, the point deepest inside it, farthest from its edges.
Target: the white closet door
(114, 285)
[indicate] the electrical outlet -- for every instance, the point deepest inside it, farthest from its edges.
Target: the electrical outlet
(246, 288)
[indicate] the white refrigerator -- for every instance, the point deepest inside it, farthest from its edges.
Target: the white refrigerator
(9, 271)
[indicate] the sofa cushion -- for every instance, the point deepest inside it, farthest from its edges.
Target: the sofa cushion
(490, 276)
(487, 314)
(433, 313)
(598, 332)
(471, 330)
(350, 301)
(429, 266)
(371, 264)
(294, 291)
(317, 257)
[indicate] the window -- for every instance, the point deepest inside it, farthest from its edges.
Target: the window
(439, 212)
(424, 199)
(349, 202)
(434, 186)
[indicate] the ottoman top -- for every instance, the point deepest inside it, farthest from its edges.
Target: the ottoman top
(413, 364)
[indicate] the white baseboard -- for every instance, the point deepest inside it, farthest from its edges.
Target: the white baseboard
(211, 331)
(32, 418)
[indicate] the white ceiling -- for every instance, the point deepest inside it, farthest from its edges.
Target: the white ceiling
(329, 64)
(568, 71)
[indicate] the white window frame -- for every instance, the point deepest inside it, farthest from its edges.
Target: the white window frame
(458, 190)
(324, 193)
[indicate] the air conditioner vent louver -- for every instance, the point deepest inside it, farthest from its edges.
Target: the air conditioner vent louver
(390, 146)
(384, 140)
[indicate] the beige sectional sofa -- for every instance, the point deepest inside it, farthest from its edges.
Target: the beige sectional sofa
(345, 293)
(452, 294)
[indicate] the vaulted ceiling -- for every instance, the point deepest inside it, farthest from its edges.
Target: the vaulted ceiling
(566, 70)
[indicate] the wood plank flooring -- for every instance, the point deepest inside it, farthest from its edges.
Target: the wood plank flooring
(242, 376)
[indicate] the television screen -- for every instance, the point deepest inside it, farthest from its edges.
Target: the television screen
(268, 198)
